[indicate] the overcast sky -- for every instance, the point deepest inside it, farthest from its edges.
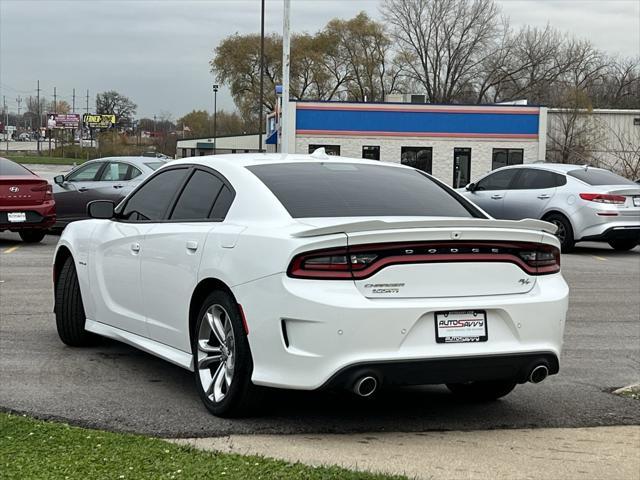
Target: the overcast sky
(157, 51)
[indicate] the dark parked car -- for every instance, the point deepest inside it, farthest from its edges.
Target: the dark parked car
(109, 178)
(26, 202)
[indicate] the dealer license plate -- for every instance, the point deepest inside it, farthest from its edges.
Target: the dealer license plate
(461, 326)
(16, 217)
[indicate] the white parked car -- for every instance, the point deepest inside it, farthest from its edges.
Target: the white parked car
(311, 272)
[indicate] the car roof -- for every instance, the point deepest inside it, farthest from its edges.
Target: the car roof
(241, 160)
(138, 161)
(553, 167)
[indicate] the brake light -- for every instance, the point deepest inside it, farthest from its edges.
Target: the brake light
(362, 261)
(603, 198)
(46, 188)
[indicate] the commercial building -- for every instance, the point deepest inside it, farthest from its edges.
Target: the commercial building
(455, 143)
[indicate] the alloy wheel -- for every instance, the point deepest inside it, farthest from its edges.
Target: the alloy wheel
(561, 233)
(216, 353)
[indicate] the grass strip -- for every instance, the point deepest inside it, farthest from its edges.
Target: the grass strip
(35, 449)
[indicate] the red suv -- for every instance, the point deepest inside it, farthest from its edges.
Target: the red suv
(26, 202)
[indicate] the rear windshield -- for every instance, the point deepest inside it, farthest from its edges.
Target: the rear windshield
(154, 165)
(593, 176)
(355, 190)
(7, 167)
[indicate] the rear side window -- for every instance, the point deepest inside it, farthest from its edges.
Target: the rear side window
(151, 200)
(354, 190)
(497, 181)
(196, 200)
(115, 172)
(7, 167)
(594, 176)
(534, 179)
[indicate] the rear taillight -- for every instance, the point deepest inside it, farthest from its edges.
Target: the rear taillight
(46, 188)
(362, 261)
(603, 198)
(545, 259)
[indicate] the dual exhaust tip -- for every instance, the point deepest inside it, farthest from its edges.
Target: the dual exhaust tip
(367, 385)
(538, 374)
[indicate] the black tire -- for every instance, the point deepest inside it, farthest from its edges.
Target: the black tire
(482, 391)
(565, 231)
(32, 236)
(623, 245)
(242, 398)
(69, 311)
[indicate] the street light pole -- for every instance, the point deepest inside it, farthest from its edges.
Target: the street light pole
(286, 47)
(215, 115)
(261, 115)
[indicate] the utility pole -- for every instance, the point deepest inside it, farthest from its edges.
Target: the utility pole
(6, 119)
(73, 101)
(215, 116)
(55, 103)
(87, 101)
(261, 118)
(39, 116)
(286, 49)
(19, 102)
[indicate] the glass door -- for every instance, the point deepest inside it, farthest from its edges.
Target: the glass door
(461, 167)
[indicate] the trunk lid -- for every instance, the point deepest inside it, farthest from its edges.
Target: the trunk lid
(440, 257)
(22, 190)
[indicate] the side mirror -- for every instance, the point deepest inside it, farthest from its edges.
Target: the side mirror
(101, 209)
(471, 187)
(58, 179)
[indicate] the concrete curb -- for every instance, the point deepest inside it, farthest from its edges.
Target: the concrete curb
(562, 453)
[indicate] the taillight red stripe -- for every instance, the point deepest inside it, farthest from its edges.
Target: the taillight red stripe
(525, 255)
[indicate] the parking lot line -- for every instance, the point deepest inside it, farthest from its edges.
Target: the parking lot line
(11, 249)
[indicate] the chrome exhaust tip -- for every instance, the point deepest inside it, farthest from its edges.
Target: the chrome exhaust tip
(538, 374)
(365, 386)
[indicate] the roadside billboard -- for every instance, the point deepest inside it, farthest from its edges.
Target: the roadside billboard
(98, 121)
(63, 120)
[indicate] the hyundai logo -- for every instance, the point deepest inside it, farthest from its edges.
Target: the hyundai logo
(14, 189)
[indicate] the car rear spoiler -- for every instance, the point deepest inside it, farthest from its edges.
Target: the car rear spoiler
(369, 225)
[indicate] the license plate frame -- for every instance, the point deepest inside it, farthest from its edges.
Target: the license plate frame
(470, 334)
(16, 217)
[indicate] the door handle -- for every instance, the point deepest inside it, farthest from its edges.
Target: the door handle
(544, 196)
(83, 189)
(135, 247)
(118, 186)
(496, 197)
(192, 245)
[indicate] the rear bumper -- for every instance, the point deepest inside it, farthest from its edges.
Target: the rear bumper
(37, 217)
(307, 334)
(623, 232)
(447, 370)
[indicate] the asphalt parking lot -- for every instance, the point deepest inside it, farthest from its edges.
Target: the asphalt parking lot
(116, 387)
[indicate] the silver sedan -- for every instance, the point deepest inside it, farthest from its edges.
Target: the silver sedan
(110, 178)
(585, 203)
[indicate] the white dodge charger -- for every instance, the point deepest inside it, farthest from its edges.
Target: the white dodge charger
(311, 272)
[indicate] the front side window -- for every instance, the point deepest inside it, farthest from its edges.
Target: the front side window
(331, 189)
(196, 200)
(151, 201)
(503, 157)
(329, 149)
(86, 173)
(497, 181)
(417, 157)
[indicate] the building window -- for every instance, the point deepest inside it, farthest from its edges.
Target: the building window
(371, 152)
(418, 99)
(506, 156)
(417, 157)
(329, 149)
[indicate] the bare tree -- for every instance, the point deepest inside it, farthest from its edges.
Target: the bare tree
(624, 152)
(574, 133)
(444, 41)
(114, 103)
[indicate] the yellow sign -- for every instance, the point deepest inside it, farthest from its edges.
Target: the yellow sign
(99, 121)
